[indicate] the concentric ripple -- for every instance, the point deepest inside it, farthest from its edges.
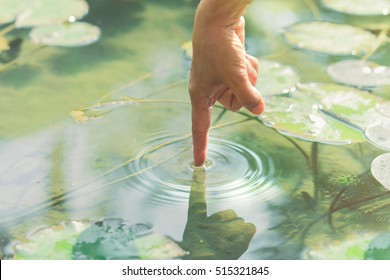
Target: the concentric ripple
(164, 169)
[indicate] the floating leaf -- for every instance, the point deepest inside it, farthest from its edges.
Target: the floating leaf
(116, 239)
(379, 248)
(66, 35)
(384, 109)
(330, 38)
(10, 9)
(359, 7)
(360, 73)
(380, 169)
(51, 243)
(379, 135)
(276, 78)
(326, 113)
(47, 12)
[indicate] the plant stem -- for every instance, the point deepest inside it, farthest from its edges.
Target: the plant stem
(313, 9)
(315, 167)
(7, 29)
(382, 38)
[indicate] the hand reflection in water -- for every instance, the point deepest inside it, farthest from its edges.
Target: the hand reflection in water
(222, 235)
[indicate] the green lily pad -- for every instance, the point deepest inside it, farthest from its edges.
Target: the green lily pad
(276, 78)
(360, 73)
(330, 38)
(51, 243)
(10, 9)
(379, 135)
(384, 109)
(47, 12)
(359, 7)
(380, 169)
(116, 239)
(66, 35)
(326, 113)
(379, 248)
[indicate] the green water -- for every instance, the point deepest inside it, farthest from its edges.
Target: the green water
(263, 195)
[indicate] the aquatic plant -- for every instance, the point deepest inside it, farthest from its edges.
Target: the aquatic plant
(53, 23)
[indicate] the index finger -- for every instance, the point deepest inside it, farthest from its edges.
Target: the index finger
(201, 119)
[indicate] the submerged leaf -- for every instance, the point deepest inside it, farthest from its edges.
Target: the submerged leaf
(66, 35)
(360, 73)
(47, 12)
(379, 248)
(380, 169)
(276, 78)
(359, 7)
(53, 243)
(352, 247)
(10, 9)
(330, 38)
(326, 113)
(116, 239)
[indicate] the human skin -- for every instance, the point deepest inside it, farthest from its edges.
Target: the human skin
(221, 70)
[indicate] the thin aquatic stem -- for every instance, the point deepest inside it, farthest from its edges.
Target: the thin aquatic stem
(127, 85)
(313, 9)
(7, 29)
(315, 168)
(382, 38)
(333, 205)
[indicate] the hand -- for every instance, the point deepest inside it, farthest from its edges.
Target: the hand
(221, 70)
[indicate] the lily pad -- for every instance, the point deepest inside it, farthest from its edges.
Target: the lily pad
(326, 113)
(330, 38)
(66, 35)
(360, 73)
(51, 243)
(47, 12)
(10, 9)
(379, 135)
(276, 78)
(116, 239)
(384, 109)
(359, 7)
(379, 248)
(380, 169)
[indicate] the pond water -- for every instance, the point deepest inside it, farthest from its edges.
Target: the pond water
(95, 149)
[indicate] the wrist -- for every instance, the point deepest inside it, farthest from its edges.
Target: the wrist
(220, 13)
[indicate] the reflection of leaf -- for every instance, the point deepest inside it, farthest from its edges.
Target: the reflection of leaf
(360, 73)
(66, 35)
(359, 7)
(330, 38)
(275, 78)
(46, 12)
